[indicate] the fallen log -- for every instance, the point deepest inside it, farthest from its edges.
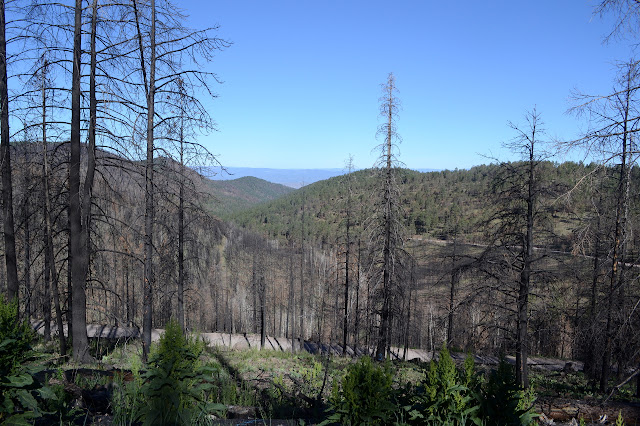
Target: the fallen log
(591, 410)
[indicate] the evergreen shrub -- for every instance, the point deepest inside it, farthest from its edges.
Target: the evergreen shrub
(176, 387)
(364, 396)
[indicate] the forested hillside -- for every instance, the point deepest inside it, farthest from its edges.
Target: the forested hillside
(431, 202)
(461, 285)
(231, 196)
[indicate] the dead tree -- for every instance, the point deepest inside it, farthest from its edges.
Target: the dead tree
(613, 119)
(387, 257)
(348, 235)
(161, 41)
(5, 169)
(518, 190)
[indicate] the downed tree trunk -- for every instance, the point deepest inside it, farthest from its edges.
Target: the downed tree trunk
(563, 410)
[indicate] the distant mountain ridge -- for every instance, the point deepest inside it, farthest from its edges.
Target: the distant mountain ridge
(293, 178)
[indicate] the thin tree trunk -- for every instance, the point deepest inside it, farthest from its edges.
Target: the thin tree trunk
(69, 298)
(254, 291)
(522, 342)
(147, 322)
(356, 327)
(290, 317)
(27, 237)
(46, 302)
(181, 231)
(5, 169)
(455, 278)
(46, 305)
(386, 276)
(345, 325)
(406, 329)
(590, 365)
(263, 320)
(617, 248)
(302, 259)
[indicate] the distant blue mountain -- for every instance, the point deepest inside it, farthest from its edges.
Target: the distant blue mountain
(294, 178)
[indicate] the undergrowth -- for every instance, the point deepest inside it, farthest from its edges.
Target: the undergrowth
(446, 396)
(23, 397)
(174, 389)
(185, 384)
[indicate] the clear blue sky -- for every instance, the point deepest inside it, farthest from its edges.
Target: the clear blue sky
(302, 79)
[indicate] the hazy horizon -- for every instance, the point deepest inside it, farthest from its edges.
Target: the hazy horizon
(293, 178)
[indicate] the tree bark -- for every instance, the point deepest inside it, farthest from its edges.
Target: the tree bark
(49, 252)
(522, 340)
(291, 322)
(78, 265)
(383, 336)
(181, 229)
(5, 157)
(263, 319)
(26, 205)
(302, 259)
(347, 260)
(614, 274)
(149, 207)
(455, 279)
(49, 259)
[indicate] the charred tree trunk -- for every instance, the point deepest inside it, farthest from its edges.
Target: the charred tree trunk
(181, 242)
(5, 169)
(77, 240)
(620, 216)
(291, 322)
(147, 321)
(263, 319)
(26, 223)
(455, 279)
(49, 261)
(386, 274)
(522, 323)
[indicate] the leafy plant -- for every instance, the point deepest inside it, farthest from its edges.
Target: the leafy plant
(446, 397)
(15, 337)
(21, 394)
(503, 402)
(176, 386)
(365, 395)
(62, 409)
(127, 400)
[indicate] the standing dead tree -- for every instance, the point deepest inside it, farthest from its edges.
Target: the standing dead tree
(5, 168)
(613, 120)
(348, 251)
(387, 257)
(166, 51)
(518, 229)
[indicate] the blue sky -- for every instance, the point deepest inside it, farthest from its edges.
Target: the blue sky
(302, 79)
